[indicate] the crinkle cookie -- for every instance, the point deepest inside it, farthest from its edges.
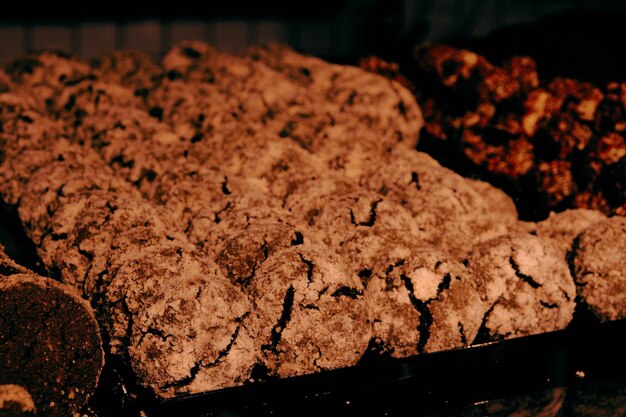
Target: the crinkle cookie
(243, 252)
(451, 214)
(312, 311)
(131, 68)
(50, 343)
(208, 195)
(210, 236)
(337, 215)
(565, 226)
(599, 267)
(91, 230)
(525, 286)
(137, 146)
(50, 186)
(186, 327)
(423, 301)
(383, 105)
(15, 401)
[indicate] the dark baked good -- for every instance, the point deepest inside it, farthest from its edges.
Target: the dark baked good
(599, 268)
(49, 343)
(15, 401)
(525, 285)
(312, 311)
(422, 301)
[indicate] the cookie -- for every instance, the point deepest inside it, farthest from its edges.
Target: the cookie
(312, 312)
(15, 401)
(51, 345)
(184, 324)
(423, 301)
(92, 229)
(565, 226)
(524, 284)
(244, 251)
(598, 256)
(382, 105)
(208, 196)
(448, 211)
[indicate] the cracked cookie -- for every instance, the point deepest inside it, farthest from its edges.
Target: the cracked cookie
(186, 326)
(312, 311)
(599, 259)
(525, 286)
(15, 401)
(245, 250)
(49, 342)
(447, 210)
(422, 302)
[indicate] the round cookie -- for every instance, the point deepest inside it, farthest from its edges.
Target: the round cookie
(312, 312)
(422, 302)
(449, 212)
(185, 326)
(91, 229)
(51, 345)
(337, 211)
(15, 401)
(243, 252)
(563, 227)
(525, 286)
(599, 267)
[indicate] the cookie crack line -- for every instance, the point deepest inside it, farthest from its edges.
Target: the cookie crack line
(285, 317)
(372, 219)
(426, 317)
(346, 291)
(483, 334)
(549, 306)
(526, 278)
(415, 180)
(309, 266)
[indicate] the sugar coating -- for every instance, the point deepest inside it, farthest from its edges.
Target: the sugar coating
(524, 284)
(184, 323)
(599, 259)
(16, 399)
(422, 301)
(312, 312)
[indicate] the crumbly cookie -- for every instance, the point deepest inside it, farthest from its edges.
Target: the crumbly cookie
(449, 212)
(563, 227)
(599, 259)
(312, 310)
(51, 345)
(525, 286)
(15, 401)
(423, 301)
(185, 325)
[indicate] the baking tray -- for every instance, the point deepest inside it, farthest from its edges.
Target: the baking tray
(430, 383)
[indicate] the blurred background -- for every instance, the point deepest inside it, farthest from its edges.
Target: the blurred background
(568, 31)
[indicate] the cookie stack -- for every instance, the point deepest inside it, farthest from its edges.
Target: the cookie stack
(235, 218)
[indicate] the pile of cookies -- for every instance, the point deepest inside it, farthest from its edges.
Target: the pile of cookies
(552, 144)
(240, 217)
